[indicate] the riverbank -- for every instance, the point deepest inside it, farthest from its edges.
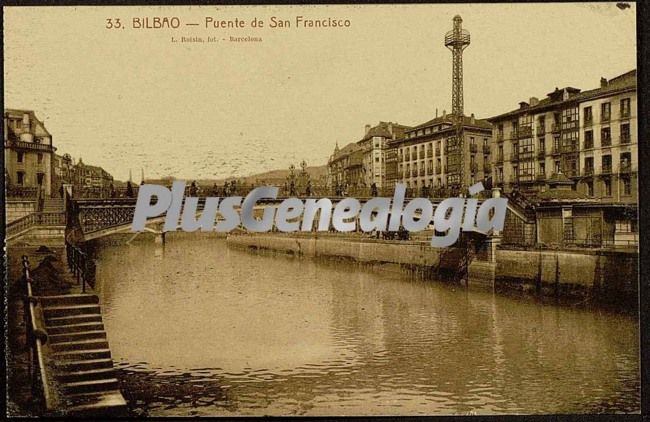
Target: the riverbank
(607, 279)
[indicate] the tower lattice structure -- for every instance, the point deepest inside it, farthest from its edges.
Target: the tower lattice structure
(456, 40)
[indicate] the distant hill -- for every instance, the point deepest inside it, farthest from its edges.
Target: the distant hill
(318, 174)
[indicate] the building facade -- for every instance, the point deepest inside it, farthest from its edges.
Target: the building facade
(374, 146)
(423, 156)
(91, 181)
(590, 137)
(28, 154)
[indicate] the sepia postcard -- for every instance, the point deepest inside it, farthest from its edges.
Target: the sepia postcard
(322, 210)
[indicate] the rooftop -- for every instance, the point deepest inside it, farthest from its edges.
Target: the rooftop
(626, 81)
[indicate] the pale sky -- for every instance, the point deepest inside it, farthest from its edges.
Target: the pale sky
(132, 99)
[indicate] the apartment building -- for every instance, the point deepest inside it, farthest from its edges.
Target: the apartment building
(588, 136)
(428, 156)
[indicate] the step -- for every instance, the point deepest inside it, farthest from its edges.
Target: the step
(68, 310)
(89, 354)
(79, 345)
(79, 335)
(105, 402)
(84, 365)
(75, 328)
(72, 320)
(89, 375)
(90, 386)
(63, 300)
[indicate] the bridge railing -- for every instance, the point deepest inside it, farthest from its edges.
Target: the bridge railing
(81, 266)
(36, 334)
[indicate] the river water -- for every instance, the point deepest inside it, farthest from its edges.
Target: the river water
(199, 328)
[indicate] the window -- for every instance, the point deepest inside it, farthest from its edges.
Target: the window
(485, 142)
(607, 163)
(605, 112)
(40, 158)
(570, 118)
(39, 178)
(542, 146)
(500, 174)
(20, 178)
(625, 133)
(556, 144)
(527, 171)
(542, 168)
(625, 108)
(605, 137)
(626, 226)
(607, 187)
(626, 161)
(20, 156)
(589, 165)
(588, 115)
(590, 188)
(556, 166)
(589, 139)
(627, 186)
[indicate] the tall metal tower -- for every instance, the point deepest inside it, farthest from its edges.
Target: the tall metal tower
(456, 40)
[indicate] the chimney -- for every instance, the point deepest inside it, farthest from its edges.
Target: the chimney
(444, 113)
(367, 129)
(522, 105)
(26, 133)
(603, 82)
(472, 119)
(533, 101)
(436, 112)
(390, 127)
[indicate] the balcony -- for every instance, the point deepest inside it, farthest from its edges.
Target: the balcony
(429, 152)
(541, 155)
(499, 136)
(625, 113)
(541, 130)
(414, 173)
(414, 156)
(487, 168)
(422, 155)
(514, 156)
(588, 144)
(606, 169)
(606, 142)
(569, 148)
(486, 149)
(555, 127)
(438, 170)
(605, 118)
(473, 167)
(625, 139)
(422, 172)
(499, 159)
(588, 122)
(525, 132)
(540, 177)
(35, 146)
(588, 171)
(437, 152)
(556, 150)
(514, 134)
(473, 148)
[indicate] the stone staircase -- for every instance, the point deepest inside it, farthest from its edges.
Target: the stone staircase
(52, 205)
(81, 363)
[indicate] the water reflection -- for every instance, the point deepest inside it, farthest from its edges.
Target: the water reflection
(200, 328)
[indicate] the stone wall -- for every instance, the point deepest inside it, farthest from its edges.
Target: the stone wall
(606, 275)
(17, 208)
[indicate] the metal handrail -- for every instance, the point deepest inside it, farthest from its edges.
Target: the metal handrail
(39, 334)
